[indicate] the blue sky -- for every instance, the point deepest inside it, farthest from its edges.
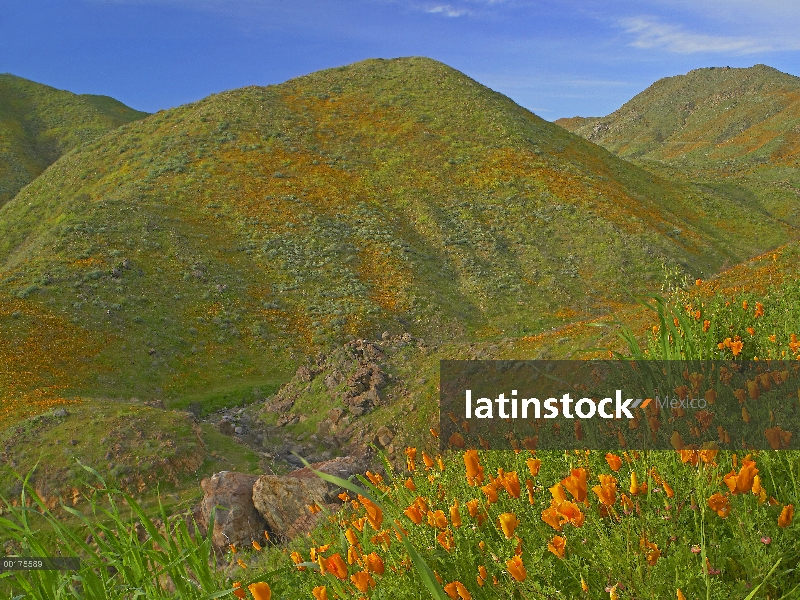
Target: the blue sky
(558, 58)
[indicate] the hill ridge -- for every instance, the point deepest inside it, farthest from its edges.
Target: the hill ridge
(39, 123)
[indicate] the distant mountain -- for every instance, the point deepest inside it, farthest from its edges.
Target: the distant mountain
(714, 116)
(39, 123)
(201, 252)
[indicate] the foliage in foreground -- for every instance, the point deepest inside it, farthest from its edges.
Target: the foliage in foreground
(658, 524)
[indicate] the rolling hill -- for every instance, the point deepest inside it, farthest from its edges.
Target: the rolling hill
(198, 254)
(736, 118)
(39, 123)
(735, 132)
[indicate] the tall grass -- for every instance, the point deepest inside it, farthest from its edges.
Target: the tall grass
(123, 552)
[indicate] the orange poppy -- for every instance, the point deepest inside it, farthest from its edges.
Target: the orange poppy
(516, 568)
(336, 565)
(455, 515)
(614, 461)
(575, 484)
(362, 580)
(375, 563)
(260, 590)
(508, 522)
(320, 593)
(607, 490)
(719, 503)
(785, 518)
(557, 546)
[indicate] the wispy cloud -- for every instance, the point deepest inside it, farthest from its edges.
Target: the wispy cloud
(447, 10)
(652, 33)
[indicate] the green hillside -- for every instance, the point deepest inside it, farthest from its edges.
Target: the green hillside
(198, 254)
(733, 131)
(39, 123)
(721, 117)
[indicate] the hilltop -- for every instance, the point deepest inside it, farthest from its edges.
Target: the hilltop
(39, 123)
(716, 116)
(197, 255)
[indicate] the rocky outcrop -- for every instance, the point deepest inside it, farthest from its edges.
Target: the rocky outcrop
(284, 501)
(247, 505)
(236, 520)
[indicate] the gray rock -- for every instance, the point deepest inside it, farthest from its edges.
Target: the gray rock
(236, 521)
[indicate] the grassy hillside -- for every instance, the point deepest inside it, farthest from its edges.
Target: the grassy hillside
(718, 116)
(39, 123)
(198, 254)
(734, 132)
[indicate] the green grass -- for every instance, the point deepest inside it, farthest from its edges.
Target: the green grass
(39, 123)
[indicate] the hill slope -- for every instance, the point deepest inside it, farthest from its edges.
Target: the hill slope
(737, 117)
(199, 253)
(732, 132)
(39, 123)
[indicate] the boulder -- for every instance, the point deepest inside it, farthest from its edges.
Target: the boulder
(283, 501)
(236, 521)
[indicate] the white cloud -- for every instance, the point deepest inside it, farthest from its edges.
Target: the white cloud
(651, 33)
(447, 10)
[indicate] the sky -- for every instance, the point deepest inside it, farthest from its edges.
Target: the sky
(558, 58)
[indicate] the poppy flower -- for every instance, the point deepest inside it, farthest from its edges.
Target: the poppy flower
(552, 517)
(651, 551)
(456, 590)
(575, 484)
(474, 468)
(260, 590)
(320, 593)
(614, 461)
(374, 512)
(455, 515)
(510, 481)
(437, 519)
(375, 563)
(557, 546)
(445, 538)
(607, 490)
(719, 504)
(491, 492)
(571, 512)
(534, 464)
(411, 455)
(558, 493)
(362, 580)
(336, 565)
(508, 523)
(785, 518)
(634, 489)
(516, 568)
(428, 460)
(238, 591)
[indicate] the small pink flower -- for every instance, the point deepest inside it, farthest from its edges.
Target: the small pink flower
(766, 540)
(696, 550)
